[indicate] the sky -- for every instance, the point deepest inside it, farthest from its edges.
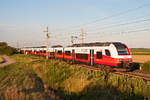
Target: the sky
(127, 21)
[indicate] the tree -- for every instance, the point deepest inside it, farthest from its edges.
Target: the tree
(3, 44)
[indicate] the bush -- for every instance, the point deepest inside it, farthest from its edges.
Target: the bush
(146, 66)
(3, 44)
(7, 50)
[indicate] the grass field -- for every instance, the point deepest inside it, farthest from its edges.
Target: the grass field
(141, 58)
(140, 51)
(35, 78)
(140, 55)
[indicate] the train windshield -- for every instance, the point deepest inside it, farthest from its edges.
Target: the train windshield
(121, 49)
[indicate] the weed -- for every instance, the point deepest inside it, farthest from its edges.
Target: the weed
(146, 66)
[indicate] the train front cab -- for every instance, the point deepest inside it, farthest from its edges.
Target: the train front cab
(116, 54)
(122, 55)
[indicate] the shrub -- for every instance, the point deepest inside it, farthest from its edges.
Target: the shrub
(3, 44)
(146, 66)
(7, 50)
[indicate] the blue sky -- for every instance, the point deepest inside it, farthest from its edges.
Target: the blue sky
(26, 19)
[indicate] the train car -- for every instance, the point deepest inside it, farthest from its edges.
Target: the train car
(110, 53)
(68, 53)
(42, 51)
(113, 54)
(33, 51)
(25, 50)
(51, 53)
(107, 53)
(82, 54)
(58, 52)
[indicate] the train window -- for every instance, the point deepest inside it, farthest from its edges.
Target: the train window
(82, 56)
(44, 51)
(121, 48)
(99, 55)
(59, 52)
(107, 52)
(51, 53)
(67, 53)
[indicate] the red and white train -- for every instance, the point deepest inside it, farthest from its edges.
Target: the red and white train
(108, 53)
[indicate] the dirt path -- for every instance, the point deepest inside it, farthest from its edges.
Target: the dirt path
(7, 61)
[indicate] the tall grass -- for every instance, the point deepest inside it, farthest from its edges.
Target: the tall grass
(18, 81)
(140, 51)
(77, 83)
(35, 75)
(146, 66)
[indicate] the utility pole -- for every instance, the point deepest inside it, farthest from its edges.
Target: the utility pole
(24, 43)
(17, 45)
(47, 37)
(82, 30)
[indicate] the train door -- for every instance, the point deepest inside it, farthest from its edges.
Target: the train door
(73, 57)
(63, 53)
(92, 57)
(55, 53)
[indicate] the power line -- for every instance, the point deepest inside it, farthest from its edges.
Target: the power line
(123, 32)
(47, 37)
(109, 17)
(119, 14)
(127, 23)
(117, 21)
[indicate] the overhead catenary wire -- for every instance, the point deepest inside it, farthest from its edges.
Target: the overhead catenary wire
(111, 26)
(119, 25)
(108, 17)
(123, 24)
(120, 33)
(119, 14)
(118, 21)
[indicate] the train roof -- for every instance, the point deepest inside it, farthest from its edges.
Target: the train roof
(95, 44)
(36, 47)
(57, 46)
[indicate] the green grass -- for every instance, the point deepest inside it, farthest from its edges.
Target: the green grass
(75, 83)
(19, 80)
(140, 51)
(30, 74)
(146, 66)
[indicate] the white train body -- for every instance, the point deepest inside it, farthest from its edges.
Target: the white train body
(110, 53)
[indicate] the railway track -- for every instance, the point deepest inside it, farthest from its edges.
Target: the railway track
(134, 74)
(118, 71)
